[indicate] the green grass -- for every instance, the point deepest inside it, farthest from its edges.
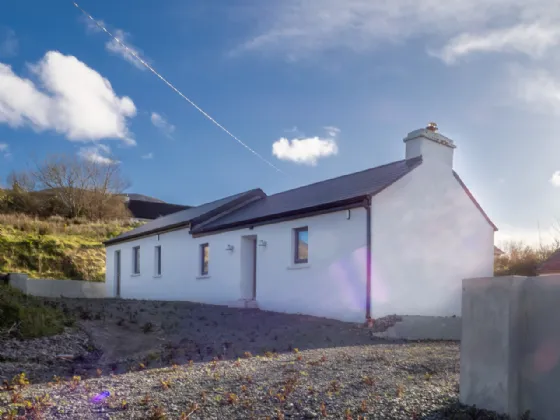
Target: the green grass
(28, 317)
(56, 248)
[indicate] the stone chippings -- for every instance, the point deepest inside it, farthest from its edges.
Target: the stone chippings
(305, 376)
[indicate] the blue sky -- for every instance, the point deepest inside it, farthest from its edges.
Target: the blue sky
(347, 79)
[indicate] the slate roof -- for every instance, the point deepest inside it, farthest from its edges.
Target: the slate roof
(320, 195)
(189, 216)
(551, 265)
(152, 209)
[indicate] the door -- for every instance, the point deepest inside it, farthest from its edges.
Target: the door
(249, 267)
(118, 273)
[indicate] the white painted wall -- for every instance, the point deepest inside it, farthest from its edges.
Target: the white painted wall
(332, 284)
(427, 235)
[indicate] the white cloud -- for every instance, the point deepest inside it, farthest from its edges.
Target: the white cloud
(115, 48)
(148, 156)
(98, 153)
(308, 150)
(9, 44)
(5, 150)
(538, 88)
(161, 122)
(530, 39)
(71, 99)
(555, 179)
(296, 28)
(332, 131)
(3, 147)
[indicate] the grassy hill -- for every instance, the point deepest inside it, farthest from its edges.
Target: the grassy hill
(56, 247)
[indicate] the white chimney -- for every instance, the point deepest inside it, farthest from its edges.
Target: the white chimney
(432, 146)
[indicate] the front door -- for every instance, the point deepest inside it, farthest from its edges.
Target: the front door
(117, 273)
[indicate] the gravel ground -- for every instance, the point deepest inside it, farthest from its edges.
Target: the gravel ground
(192, 363)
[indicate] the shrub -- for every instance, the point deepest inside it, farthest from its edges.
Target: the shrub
(520, 259)
(28, 317)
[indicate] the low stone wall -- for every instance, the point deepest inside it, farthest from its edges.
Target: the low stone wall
(57, 288)
(510, 345)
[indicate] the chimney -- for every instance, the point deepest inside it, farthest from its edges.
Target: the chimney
(432, 146)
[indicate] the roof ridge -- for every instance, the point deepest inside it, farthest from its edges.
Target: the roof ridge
(412, 160)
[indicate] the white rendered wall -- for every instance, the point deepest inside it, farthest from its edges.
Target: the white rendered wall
(427, 235)
(332, 284)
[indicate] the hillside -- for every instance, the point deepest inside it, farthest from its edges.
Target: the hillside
(56, 247)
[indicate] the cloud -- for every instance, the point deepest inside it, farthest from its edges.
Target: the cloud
(530, 39)
(298, 28)
(9, 44)
(308, 150)
(332, 131)
(148, 156)
(160, 122)
(117, 49)
(5, 150)
(555, 179)
(538, 88)
(70, 98)
(98, 153)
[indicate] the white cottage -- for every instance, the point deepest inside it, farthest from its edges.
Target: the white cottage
(395, 239)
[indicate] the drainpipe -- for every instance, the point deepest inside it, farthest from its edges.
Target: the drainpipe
(367, 205)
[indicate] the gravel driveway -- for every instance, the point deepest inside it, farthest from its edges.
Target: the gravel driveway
(159, 360)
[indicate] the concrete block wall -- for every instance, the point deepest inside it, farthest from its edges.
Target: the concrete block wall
(510, 345)
(57, 288)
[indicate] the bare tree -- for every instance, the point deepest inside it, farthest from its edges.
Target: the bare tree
(82, 187)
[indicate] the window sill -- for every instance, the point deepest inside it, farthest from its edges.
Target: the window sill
(157, 276)
(206, 276)
(135, 275)
(299, 266)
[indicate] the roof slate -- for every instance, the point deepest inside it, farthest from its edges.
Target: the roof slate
(188, 216)
(152, 209)
(331, 191)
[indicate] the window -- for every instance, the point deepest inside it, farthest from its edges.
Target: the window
(300, 245)
(204, 259)
(136, 260)
(157, 263)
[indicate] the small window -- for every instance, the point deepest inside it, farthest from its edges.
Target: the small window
(157, 264)
(204, 259)
(301, 245)
(136, 260)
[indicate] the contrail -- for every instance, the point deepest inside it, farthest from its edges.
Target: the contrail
(164, 80)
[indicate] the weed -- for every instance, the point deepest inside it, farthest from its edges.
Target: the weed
(279, 414)
(141, 366)
(145, 400)
(232, 398)
(323, 409)
(156, 413)
(98, 372)
(20, 380)
(363, 406)
(247, 355)
(165, 384)
(124, 405)
(16, 397)
(296, 350)
(368, 381)
(400, 391)
(75, 381)
(148, 327)
(348, 414)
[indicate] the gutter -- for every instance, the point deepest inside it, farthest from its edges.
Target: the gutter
(367, 205)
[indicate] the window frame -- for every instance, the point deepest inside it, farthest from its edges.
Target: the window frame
(157, 261)
(136, 260)
(296, 242)
(202, 248)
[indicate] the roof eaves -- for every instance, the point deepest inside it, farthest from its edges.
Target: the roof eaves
(465, 188)
(168, 228)
(299, 213)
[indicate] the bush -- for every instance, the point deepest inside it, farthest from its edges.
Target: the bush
(521, 259)
(25, 316)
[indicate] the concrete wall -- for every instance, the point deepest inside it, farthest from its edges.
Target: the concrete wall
(332, 284)
(57, 288)
(427, 235)
(510, 347)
